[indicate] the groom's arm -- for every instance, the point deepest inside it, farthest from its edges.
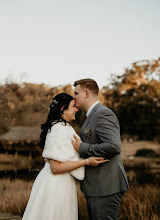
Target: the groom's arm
(108, 131)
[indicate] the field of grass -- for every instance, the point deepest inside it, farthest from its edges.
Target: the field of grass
(139, 203)
(14, 195)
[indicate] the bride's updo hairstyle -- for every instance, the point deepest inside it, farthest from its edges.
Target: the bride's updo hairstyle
(58, 104)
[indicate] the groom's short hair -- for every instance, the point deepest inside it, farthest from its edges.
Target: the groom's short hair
(88, 84)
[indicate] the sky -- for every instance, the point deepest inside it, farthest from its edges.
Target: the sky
(56, 42)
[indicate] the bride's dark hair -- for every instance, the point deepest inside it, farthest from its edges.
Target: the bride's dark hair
(58, 104)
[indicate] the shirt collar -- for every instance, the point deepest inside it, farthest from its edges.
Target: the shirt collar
(90, 109)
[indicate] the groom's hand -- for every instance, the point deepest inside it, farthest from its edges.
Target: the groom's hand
(76, 143)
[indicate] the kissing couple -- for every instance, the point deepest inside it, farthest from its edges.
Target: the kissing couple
(94, 158)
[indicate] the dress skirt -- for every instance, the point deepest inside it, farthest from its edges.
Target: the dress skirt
(53, 197)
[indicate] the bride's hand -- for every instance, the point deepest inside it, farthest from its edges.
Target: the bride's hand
(95, 161)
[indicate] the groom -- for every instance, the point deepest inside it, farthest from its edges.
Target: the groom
(105, 184)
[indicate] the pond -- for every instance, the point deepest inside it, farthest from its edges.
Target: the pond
(139, 176)
(27, 173)
(143, 176)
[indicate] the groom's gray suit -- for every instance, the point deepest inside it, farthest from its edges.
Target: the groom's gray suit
(100, 135)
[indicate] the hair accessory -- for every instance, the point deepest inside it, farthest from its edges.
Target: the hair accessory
(54, 102)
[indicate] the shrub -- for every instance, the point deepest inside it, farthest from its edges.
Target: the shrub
(146, 153)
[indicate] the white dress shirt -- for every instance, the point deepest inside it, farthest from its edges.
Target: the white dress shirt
(90, 109)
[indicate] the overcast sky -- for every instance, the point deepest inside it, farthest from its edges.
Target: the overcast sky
(59, 41)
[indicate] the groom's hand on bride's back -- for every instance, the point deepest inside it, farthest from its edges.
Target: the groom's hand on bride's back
(76, 143)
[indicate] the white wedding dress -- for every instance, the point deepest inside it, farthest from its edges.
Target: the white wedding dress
(54, 197)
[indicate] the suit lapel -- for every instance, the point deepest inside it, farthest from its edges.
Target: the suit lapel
(88, 118)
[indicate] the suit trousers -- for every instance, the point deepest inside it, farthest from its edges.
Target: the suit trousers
(104, 207)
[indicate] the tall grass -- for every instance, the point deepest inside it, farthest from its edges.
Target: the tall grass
(14, 195)
(139, 203)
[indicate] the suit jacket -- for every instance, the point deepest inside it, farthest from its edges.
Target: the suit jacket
(100, 135)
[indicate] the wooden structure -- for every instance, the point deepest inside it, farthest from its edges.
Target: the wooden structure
(20, 140)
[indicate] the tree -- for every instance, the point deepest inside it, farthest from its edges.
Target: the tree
(135, 98)
(5, 110)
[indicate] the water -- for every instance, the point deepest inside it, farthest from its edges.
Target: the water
(135, 176)
(28, 173)
(143, 176)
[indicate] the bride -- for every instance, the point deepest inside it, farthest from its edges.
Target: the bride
(54, 193)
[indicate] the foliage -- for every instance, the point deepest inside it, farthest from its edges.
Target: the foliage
(5, 110)
(139, 72)
(26, 104)
(146, 153)
(135, 98)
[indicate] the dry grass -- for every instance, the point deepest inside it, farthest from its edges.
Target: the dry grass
(139, 203)
(14, 195)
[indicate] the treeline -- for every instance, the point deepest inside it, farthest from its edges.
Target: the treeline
(26, 104)
(134, 96)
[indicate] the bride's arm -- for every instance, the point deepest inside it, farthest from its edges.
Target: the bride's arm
(65, 167)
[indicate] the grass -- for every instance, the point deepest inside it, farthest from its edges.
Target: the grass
(14, 195)
(140, 202)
